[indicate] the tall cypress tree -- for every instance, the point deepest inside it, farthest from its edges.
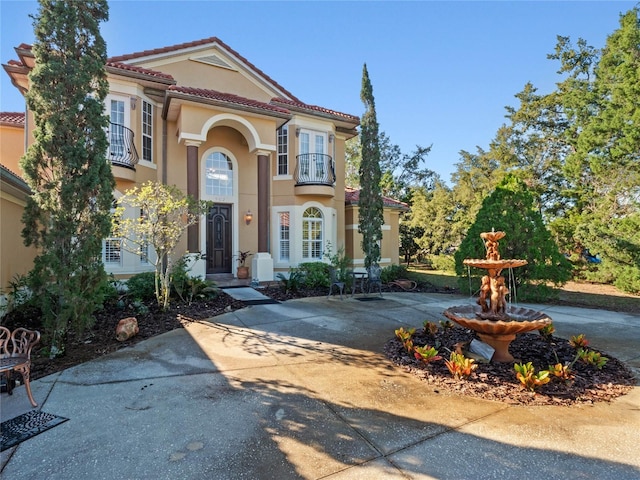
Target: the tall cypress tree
(68, 214)
(370, 203)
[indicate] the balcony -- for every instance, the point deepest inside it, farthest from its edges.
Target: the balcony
(122, 151)
(315, 174)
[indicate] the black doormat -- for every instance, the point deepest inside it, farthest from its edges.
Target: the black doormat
(368, 299)
(260, 301)
(25, 426)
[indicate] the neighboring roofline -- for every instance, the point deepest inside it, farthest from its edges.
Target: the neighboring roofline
(7, 120)
(386, 201)
(137, 56)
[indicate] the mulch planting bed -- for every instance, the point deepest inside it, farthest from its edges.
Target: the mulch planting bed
(490, 381)
(497, 381)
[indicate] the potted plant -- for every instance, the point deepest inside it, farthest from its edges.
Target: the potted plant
(243, 270)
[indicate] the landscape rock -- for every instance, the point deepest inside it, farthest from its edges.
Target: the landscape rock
(127, 328)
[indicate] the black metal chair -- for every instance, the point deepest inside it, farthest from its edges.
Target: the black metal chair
(335, 282)
(374, 273)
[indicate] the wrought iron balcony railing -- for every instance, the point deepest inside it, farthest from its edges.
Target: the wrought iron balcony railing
(315, 169)
(122, 150)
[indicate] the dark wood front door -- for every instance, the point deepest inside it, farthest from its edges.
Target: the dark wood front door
(219, 239)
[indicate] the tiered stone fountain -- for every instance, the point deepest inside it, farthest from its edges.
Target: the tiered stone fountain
(496, 322)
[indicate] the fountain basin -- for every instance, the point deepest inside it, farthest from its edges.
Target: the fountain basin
(488, 264)
(498, 332)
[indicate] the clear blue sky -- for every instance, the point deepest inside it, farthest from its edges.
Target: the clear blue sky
(442, 72)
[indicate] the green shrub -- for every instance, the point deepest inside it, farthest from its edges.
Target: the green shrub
(340, 262)
(316, 274)
(142, 286)
(188, 287)
(628, 279)
(293, 282)
(536, 293)
(393, 272)
(445, 263)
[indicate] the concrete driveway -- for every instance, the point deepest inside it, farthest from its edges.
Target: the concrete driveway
(303, 390)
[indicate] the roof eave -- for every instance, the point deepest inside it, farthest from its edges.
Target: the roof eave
(140, 76)
(219, 103)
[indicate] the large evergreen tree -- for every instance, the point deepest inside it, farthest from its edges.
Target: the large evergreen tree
(512, 208)
(608, 156)
(66, 167)
(370, 203)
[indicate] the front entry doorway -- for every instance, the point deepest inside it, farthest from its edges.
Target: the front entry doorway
(219, 239)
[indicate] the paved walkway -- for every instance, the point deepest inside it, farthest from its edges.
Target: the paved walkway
(302, 390)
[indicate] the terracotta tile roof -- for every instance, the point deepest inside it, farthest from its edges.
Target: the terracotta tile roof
(14, 180)
(16, 63)
(198, 43)
(11, 172)
(13, 118)
(315, 108)
(352, 197)
(227, 98)
(143, 71)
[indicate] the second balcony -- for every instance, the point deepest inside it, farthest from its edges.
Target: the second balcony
(315, 174)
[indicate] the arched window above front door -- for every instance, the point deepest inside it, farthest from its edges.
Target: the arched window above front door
(312, 233)
(218, 175)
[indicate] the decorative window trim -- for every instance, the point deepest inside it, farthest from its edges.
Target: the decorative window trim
(147, 131)
(284, 236)
(211, 189)
(282, 145)
(313, 247)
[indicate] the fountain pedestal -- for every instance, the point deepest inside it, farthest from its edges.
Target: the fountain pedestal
(500, 344)
(496, 323)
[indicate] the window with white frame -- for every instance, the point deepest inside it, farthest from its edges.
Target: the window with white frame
(312, 227)
(284, 232)
(112, 247)
(147, 131)
(283, 150)
(218, 175)
(312, 147)
(116, 135)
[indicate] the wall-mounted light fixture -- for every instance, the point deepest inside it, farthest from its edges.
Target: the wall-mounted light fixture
(248, 217)
(297, 132)
(134, 102)
(331, 137)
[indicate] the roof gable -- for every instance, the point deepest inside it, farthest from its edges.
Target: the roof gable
(215, 58)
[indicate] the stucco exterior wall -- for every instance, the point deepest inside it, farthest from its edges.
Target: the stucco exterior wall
(15, 257)
(11, 147)
(390, 245)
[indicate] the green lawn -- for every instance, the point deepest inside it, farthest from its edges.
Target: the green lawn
(577, 294)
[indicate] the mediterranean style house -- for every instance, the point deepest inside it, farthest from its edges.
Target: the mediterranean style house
(202, 117)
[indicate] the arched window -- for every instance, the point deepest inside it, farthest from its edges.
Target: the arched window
(219, 175)
(312, 227)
